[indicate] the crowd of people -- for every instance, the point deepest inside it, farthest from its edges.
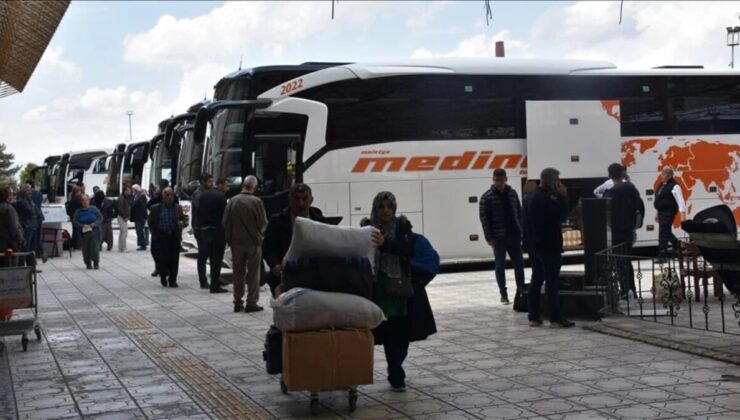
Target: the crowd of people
(511, 226)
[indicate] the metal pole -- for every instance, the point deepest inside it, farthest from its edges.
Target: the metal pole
(130, 135)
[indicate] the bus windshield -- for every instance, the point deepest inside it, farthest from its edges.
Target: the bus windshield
(189, 165)
(161, 165)
(224, 158)
(114, 175)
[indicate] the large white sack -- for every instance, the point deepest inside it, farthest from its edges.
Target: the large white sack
(314, 239)
(302, 309)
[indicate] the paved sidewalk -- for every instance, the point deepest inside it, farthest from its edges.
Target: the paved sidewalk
(117, 345)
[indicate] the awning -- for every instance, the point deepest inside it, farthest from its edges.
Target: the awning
(26, 27)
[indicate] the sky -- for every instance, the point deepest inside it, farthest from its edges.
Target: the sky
(158, 58)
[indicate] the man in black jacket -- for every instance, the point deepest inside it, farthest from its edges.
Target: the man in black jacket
(210, 234)
(626, 207)
(166, 221)
(500, 217)
(279, 230)
(545, 209)
(139, 214)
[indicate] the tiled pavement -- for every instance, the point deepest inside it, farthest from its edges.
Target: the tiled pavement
(116, 345)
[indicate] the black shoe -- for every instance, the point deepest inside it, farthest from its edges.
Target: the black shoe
(563, 323)
(141, 248)
(155, 273)
(253, 308)
(536, 323)
(218, 290)
(205, 285)
(239, 307)
(88, 266)
(96, 267)
(164, 282)
(505, 300)
(174, 284)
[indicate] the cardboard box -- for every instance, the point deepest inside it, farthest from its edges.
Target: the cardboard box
(327, 359)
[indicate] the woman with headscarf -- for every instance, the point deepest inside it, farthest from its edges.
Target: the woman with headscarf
(409, 318)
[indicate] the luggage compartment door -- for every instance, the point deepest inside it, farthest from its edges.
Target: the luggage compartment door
(579, 138)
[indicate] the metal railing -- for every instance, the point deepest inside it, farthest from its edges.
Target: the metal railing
(678, 288)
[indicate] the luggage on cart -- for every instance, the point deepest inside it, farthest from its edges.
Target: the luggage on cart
(273, 353)
(18, 295)
(330, 274)
(308, 310)
(327, 360)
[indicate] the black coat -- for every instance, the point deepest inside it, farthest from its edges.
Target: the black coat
(279, 233)
(492, 213)
(419, 322)
(139, 210)
(543, 218)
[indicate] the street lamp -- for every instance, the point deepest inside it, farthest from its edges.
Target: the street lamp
(733, 39)
(130, 113)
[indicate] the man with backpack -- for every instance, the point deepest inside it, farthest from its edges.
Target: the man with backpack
(626, 210)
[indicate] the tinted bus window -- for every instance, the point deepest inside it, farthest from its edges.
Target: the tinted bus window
(704, 105)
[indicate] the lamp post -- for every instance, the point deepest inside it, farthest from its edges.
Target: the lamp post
(733, 39)
(130, 136)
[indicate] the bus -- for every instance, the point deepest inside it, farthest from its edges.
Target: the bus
(231, 153)
(88, 167)
(432, 131)
(45, 171)
(127, 165)
(160, 157)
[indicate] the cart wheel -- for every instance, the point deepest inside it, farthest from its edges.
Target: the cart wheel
(314, 406)
(37, 330)
(283, 387)
(24, 342)
(352, 401)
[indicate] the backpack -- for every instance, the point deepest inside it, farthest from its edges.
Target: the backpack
(109, 209)
(425, 261)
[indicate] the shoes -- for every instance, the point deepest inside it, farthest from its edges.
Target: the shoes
(563, 323)
(174, 284)
(110, 248)
(96, 267)
(88, 266)
(163, 281)
(398, 387)
(505, 300)
(239, 307)
(155, 273)
(44, 258)
(537, 323)
(141, 248)
(253, 308)
(218, 289)
(205, 285)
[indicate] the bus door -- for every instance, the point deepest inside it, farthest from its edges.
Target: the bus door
(274, 160)
(578, 138)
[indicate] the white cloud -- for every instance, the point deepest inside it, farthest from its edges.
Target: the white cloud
(480, 45)
(52, 62)
(237, 28)
(429, 20)
(651, 34)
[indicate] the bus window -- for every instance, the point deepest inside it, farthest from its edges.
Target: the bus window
(705, 105)
(226, 134)
(275, 163)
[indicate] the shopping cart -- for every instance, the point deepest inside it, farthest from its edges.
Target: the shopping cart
(18, 292)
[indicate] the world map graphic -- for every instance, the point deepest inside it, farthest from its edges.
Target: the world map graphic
(698, 163)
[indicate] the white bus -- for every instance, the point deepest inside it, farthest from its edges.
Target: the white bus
(87, 166)
(128, 165)
(432, 131)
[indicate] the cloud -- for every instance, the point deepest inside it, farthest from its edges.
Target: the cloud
(237, 28)
(480, 45)
(52, 62)
(429, 20)
(651, 34)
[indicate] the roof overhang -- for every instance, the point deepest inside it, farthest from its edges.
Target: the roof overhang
(26, 27)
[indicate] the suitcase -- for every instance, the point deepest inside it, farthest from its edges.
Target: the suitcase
(273, 353)
(330, 274)
(520, 299)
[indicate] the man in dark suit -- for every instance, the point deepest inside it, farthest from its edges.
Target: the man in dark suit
(279, 230)
(166, 221)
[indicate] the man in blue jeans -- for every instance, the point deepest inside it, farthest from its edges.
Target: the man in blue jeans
(500, 216)
(545, 209)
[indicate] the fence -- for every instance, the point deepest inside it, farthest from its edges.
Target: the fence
(679, 289)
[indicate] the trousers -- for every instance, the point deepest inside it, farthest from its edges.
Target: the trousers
(246, 264)
(211, 245)
(166, 248)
